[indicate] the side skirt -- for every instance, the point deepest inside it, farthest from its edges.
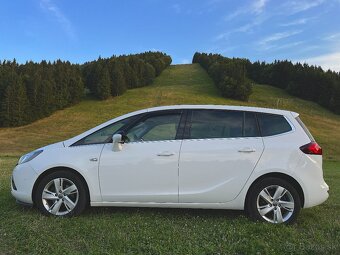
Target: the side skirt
(229, 206)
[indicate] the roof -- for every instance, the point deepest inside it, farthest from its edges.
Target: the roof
(224, 107)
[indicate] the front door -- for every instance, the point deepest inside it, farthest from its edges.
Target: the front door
(146, 169)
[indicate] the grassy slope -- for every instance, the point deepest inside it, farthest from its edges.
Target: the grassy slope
(129, 230)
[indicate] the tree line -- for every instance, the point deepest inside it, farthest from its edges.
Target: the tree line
(301, 80)
(228, 74)
(113, 76)
(34, 90)
(31, 91)
(233, 77)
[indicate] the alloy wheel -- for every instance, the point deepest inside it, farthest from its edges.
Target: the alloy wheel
(275, 204)
(60, 196)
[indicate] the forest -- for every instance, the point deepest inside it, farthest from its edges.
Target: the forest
(31, 91)
(234, 78)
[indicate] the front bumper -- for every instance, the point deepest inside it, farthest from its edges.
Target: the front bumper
(22, 183)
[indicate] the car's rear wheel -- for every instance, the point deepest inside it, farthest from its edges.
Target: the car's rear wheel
(273, 200)
(61, 193)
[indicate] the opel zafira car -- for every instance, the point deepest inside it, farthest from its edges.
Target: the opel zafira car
(263, 161)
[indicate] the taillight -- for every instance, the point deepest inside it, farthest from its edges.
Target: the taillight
(311, 148)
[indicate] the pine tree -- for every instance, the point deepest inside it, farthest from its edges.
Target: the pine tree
(118, 84)
(103, 90)
(14, 103)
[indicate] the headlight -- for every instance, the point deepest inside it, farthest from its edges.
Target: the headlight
(29, 156)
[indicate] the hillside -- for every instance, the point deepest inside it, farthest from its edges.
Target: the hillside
(178, 84)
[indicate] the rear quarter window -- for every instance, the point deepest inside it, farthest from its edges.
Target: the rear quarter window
(305, 129)
(273, 124)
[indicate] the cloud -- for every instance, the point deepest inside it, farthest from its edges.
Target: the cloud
(288, 45)
(296, 22)
(242, 29)
(326, 61)
(333, 37)
(301, 5)
(278, 36)
(257, 7)
(50, 7)
(273, 41)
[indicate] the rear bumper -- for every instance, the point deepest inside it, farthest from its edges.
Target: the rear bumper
(317, 195)
(310, 176)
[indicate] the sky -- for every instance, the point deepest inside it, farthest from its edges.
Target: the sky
(79, 31)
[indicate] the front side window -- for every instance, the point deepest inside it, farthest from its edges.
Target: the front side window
(155, 128)
(105, 134)
(216, 124)
(273, 124)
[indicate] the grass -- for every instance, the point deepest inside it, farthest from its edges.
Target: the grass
(166, 231)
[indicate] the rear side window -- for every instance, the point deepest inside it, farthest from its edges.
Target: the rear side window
(207, 124)
(250, 125)
(273, 124)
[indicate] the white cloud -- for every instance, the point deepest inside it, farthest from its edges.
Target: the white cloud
(257, 7)
(52, 8)
(267, 41)
(242, 29)
(301, 5)
(296, 22)
(326, 61)
(333, 37)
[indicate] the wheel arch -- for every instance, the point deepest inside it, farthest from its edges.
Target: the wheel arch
(283, 176)
(55, 169)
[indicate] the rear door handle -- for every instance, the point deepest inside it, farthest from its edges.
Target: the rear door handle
(165, 154)
(246, 150)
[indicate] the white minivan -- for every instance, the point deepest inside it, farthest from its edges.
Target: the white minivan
(261, 160)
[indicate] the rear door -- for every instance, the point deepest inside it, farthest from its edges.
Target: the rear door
(220, 150)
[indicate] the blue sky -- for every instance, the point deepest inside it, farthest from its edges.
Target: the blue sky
(300, 30)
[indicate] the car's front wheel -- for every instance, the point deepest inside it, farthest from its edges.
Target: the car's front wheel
(273, 200)
(61, 193)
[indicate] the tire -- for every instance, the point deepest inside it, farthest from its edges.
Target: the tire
(61, 193)
(273, 200)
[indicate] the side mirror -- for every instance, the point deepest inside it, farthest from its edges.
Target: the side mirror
(117, 142)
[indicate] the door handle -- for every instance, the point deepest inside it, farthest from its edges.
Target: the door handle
(93, 159)
(246, 150)
(165, 154)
